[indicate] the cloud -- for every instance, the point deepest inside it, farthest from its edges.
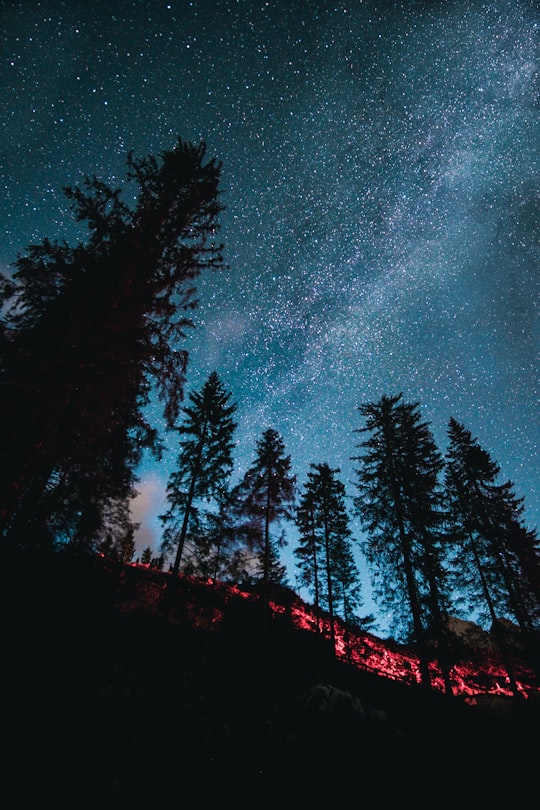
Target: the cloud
(149, 502)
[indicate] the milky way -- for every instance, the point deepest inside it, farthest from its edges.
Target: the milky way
(381, 179)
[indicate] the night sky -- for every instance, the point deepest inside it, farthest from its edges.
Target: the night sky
(381, 177)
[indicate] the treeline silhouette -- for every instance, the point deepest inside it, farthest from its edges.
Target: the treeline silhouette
(89, 332)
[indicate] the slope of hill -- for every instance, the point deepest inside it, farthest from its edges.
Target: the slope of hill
(124, 691)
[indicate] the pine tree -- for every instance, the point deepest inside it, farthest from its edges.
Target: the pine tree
(211, 549)
(400, 504)
(90, 331)
(324, 551)
(496, 559)
(308, 552)
(265, 495)
(116, 538)
(204, 462)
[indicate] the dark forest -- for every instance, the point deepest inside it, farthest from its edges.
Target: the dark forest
(138, 678)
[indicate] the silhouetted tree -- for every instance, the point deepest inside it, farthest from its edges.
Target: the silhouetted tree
(89, 331)
(265, 495)
(400, 504)
(204, 462)
(495, 560)
(308, 552)
(324, 551)
(212, 549)
(117, 536)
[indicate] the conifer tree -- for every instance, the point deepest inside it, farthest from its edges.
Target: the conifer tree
(211, 548)
(117, 536)
(400, 504)
(204, 462)
(496, 559)
(308, 552)
(324, 551)
(88, 332)
(264, 496)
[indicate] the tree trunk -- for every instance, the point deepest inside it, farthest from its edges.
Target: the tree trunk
(191, 494)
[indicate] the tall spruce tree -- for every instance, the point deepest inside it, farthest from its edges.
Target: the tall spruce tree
(308, 552)
(264, 496)
(204, 463)
(324, 552)
(495, 559)
(88, 332)
(399, 502)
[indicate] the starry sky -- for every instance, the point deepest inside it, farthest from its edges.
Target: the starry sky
(381, 177)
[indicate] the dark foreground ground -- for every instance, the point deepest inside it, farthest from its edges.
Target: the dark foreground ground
(106, 709)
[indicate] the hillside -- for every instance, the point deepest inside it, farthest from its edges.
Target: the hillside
(123, 692)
